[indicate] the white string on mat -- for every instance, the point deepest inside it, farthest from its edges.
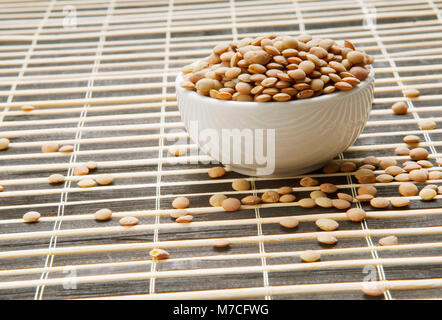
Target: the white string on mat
(161, 140)
(39, 291)
(436, 10)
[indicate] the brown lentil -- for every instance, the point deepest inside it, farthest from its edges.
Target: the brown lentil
(420, 175)
(434, 175)
(345, 196)
(411, 93)
(408, 189)
(427, 194)
(388, 241)
(425, 164)
(384, 178)
(231, 204)
(379, 203)
(368, 166)
(86, 183)
(216, 172)
(331, 167)
(240, 185)
(184, 219)
(402, 151)
(286, 198)
(66, 148)
(103, 214)
(91, 165)
(310, 256)
(317, 194)
(31, 216)
(394, 171)
(159, 254)
(251, 200)
(289, 222)
(373, 289)
(403, 177)
(348, 166)
(399, 107)
(341, 204)
(49, 147)
(4, 143)
(217, 199)
(104, 179)
(285, 190)
(327, 224)
(410, 166)
(221, 243)
(324, 202)
(56, 178)
(372, 160)
(27, 108)
(387, 162)
(81, 170)
(270, 197)
(328, 188)
(307, 203)
(308, 182)
(326, 238)
(418, 154)
(399, 202)
(427, 124)
(178, 213)
(180, 203)
(411, 139)
(356, 214)
(129, 221)
(364, 197)
(371, 190)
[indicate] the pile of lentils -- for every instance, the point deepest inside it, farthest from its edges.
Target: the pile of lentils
(278, 68)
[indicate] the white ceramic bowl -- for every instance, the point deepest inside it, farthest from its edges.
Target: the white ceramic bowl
(308, 133)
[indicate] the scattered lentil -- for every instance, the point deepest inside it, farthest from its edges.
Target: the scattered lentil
(324, 202)
(402, 151)
(384, 178)
(128, 221)
(372, 160)
(66, 148)
(425, 163)
(411, 93)
(217, 199)
(31, 216)
(4, 143)
(345, 196)
(373, 289)
(50, 147)
(356, 214)
(364, 197)
(103, 214)
(403, 177)
(418, 154)
(387, 162)
(86, 183)
(408, 189)
(394, 171)
(388, 241)
(420, 175)
(399, 107)
(341, 204)
(327, 224)
(216, 172)
(251, 200)
(326, 238)
(270, 197)
(221, 243)
(328, 188)
(185, 219)
(307, 203)
(331, 167)
(285, 190)
(310, 256)
(434, 175)
(367, 190)
(56, 178)
(308, 182)
(104, 179)
(81, 170)
(427, 194)
(348, 166)
(240, 185)
(427, 124)
(91, 165)
(159, 254)
(178, 213)
(379, 203)
(231, 204)
(286, 198)
(411, 139)
(27, 108)
(181, 203)
(399, 202)
(289, 222)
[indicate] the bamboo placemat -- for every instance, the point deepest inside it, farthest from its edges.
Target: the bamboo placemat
(101, 74)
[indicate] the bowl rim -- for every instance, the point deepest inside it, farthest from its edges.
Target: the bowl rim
(319, 100)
